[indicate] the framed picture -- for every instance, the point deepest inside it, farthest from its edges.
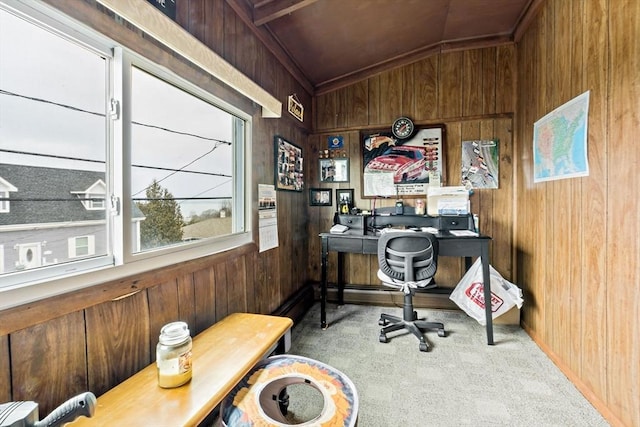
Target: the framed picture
(320, 197)
(334, 170)
(288, 164)
(344, 196)
(395, 167)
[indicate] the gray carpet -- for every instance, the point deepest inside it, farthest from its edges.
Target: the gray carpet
(461, 381)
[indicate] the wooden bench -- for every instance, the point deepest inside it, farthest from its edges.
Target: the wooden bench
(222, 355)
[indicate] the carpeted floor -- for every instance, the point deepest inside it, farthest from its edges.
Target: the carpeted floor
(461, 381)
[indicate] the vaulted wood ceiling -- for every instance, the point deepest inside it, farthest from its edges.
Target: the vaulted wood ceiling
(330, 43)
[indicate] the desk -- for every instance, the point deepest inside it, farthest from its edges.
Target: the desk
(222, 355)
(353, 241)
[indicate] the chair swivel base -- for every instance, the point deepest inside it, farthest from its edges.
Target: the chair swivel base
(415, 326)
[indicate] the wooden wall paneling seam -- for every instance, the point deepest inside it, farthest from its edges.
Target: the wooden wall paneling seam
(186, 299)
(374, 96)
(236, 285)
(221, 291)
(230, 35)
(426, 79)
(450, 85)
(577, 43)
(472, 77)
(205, 298)
(489, 80)
(563, 234)
(407, 101)
(164, 307)
(505, 72)
(359, 100)
(623, 213)
(390, 95)
(342, 104)
(5, 369)
(40, 353)
(504, 131)
(594, 200)
(196, 25)
(118, 337)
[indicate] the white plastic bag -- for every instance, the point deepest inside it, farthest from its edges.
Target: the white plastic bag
(469, 293)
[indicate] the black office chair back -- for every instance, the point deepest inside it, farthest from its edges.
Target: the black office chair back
(408, 256)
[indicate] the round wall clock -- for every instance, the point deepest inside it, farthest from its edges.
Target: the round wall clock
(402, 127)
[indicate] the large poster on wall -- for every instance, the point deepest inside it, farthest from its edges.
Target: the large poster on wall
(402, 167)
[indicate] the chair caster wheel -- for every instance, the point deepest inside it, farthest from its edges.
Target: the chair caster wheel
(382, 322)
(442, 333)
(423, 346)
(415, 315)
(383, 338)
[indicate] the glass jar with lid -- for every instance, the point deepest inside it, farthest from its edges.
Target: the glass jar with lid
(173, 355)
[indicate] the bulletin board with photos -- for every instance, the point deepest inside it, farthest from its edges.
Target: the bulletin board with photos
(395, 167)
(289, 174)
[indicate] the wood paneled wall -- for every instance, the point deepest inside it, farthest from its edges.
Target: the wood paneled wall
(93, 339)
(577, 242)
(472, 93)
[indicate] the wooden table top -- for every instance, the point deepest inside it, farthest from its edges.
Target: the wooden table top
(222, 355)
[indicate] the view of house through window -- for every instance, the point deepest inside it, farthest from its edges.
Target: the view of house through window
(68, 143)
(53, 145)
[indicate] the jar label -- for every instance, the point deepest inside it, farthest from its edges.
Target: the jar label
(175, 366)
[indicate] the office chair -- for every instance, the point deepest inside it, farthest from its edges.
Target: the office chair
(408, 261)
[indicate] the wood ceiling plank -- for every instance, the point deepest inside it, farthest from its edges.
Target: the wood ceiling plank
(276, 9)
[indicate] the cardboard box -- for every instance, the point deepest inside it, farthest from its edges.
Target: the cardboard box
(511, 317)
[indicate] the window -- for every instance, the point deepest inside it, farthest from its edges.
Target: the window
(4, 201)
(53, 139)
(181, 152)
(182, 161)
(81, 246)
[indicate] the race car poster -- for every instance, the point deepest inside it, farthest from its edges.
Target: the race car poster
(414, 163)
(480, 164)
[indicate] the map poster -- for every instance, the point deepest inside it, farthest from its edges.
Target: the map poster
(560, 142)
(480, 161)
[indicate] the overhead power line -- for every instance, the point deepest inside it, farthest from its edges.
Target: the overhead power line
(81, 110)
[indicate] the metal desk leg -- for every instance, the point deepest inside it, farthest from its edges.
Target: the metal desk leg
(340, 278)
(486, 278)
(323, 284)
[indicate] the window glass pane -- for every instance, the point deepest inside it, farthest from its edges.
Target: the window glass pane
(182, 165)
(52, 144)
(82, 246)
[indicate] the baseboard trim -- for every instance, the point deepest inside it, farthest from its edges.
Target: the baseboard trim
(600, 405)
(296, 306)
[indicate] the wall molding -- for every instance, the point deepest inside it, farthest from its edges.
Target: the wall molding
(153, 22)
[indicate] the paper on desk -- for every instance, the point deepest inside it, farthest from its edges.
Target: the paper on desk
(463, 233)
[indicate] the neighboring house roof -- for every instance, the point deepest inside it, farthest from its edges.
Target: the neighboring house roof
(48, 195)
(6, 186)
(208, 228)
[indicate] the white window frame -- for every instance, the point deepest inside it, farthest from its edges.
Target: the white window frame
(23, 287)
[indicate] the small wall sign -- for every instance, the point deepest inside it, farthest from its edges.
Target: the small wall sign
(168, 7)
(295, 107)
(335, 142)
